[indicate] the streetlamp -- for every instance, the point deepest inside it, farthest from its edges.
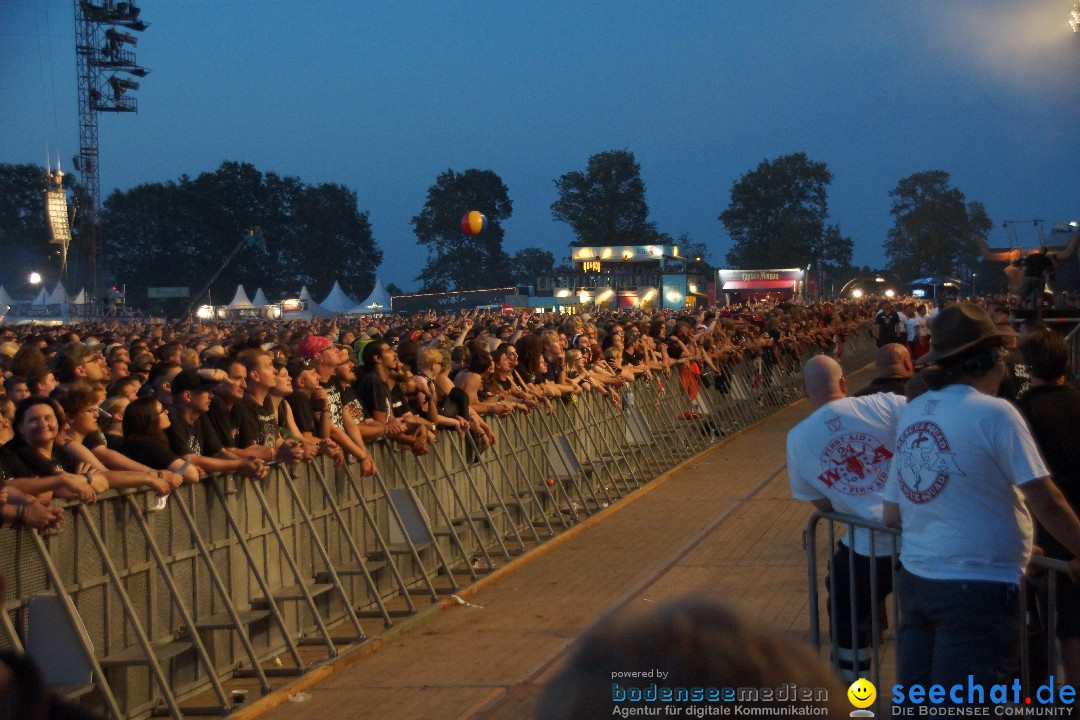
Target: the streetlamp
(34, 278)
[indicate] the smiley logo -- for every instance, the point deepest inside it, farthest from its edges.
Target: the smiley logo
(862, 693)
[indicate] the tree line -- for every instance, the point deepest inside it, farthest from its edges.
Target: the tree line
(290, 233)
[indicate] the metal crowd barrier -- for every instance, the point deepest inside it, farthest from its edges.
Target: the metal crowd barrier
(1038, 601)
(1073, 341)
(136, 612)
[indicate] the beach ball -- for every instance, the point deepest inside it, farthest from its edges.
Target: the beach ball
(473, 222)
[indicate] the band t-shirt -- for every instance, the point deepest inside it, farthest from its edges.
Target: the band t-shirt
(960, 458)
(198, 438)
(841, 453)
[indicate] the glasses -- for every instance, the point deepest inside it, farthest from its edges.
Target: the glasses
(96, 357)
(91, 410)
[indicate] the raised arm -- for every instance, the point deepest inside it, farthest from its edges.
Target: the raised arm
(1070, 249)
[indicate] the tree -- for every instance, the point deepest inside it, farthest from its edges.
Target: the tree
(606, 205)
(933, 226)
(307, 235)
(24, 233)
(456, 261)
(393, 289)
(530, 263)
(777, 216)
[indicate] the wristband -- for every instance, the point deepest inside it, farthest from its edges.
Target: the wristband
(20, 516)
(89, 477)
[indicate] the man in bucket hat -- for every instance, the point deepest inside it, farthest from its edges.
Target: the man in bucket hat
(964, 467)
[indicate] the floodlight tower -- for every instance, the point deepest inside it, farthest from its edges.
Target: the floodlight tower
(101, 41)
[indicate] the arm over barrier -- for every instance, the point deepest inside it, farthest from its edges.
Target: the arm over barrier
(137, 612)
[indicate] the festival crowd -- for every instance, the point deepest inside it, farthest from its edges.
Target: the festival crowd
(92, 407)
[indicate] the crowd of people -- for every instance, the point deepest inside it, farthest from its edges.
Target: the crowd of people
(93, 407)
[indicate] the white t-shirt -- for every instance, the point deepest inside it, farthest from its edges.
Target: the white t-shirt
(841, 453)
(913, 324)
(960, 457)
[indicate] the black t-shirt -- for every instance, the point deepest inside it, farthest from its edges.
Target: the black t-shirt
(256, 424)
(148, 451)
(199, 438)
(94, 440)
(226, 422)
(303, 411)
(37, 463)
(1036, 264)
(351, 402)
(554, 369)
(374, 395)
(11, 465)
(1053, 413)
(888, 328)
(883, 385)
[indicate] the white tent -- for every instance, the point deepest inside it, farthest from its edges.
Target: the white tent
(260, 299)
(376, 303)
(59, 295)
(6, 300)
(80, 298)
(42, 298)
(337, 301)
(240, 299)
(311, 308)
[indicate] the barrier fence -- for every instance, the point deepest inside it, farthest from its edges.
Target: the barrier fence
(1038, 603)
(136, 612)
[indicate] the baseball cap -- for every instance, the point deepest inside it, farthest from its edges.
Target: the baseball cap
(190, 380)
(297, 365)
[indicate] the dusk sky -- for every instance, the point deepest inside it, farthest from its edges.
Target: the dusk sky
(382, 97)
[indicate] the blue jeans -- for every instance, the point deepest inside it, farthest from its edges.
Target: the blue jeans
(950, 629)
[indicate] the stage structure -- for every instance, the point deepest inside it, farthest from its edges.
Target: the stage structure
(103, 34)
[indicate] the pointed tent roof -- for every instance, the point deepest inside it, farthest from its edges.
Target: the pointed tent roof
(337, 301)
(5, 299)
(59, 295)
(80, 298)
(377, 302)
(312, 310)
(260, 299)
(240, 299)
(42, 297)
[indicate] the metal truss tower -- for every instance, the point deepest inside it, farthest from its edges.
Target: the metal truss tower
(101, 41)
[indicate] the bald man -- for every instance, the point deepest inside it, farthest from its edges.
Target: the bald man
(894, 369)
(838, 459)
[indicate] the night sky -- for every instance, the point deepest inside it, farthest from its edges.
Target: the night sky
(382, 97)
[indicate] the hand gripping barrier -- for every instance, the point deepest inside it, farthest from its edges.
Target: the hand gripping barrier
(135, 612)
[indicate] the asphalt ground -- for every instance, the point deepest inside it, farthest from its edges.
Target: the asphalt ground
(723, 524)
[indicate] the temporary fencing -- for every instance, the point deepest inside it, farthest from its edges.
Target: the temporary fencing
(1038, 602)
(140, 612)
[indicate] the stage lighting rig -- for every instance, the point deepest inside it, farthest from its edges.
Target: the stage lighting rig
(1074, 16)
(105, 38)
